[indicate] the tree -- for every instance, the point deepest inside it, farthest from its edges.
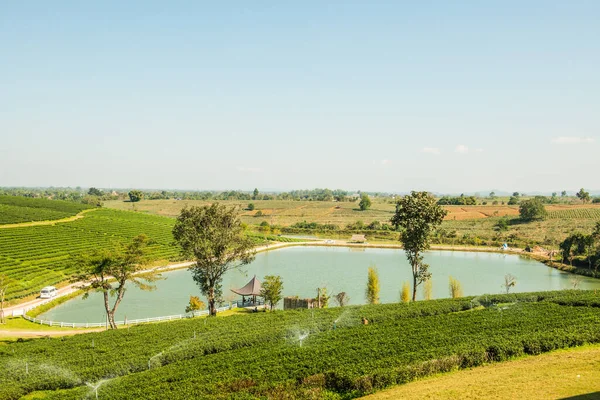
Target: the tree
(255, 194)
(509, 282)
(514, 200)
(596, 231)
(250, 207)
(455, 288)
(566, 247)
(502, 225)
(214, 237)
(532, 209)
(136, 195)
(563, 193)
(516, 194)
(372, 292)
(3, 289)
(322, 297)
(341, 299)
(417, 215)
(271, 290)
(95, 192)
(264, 227)
(195, 304)
(405, 292)
(365, 202)
(108, 271)
(583, 195)
(492, 195)
(589, 241)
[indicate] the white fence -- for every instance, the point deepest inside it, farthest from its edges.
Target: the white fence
(125, 322)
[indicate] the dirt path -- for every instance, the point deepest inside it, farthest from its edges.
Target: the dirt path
(35, 334)
(51, 222)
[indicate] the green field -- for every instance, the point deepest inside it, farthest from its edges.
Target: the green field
(261, 355)
(36, 256)
(14, 209)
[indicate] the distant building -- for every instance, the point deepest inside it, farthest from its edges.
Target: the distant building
(358, 239)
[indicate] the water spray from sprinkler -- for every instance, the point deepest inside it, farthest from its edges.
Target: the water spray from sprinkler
(95, 387)
(301, 337)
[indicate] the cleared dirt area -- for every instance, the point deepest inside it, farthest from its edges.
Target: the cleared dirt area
(557, 375)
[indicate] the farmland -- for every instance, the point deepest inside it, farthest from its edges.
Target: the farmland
(36, 256)
(298, 354)
(470, 225)
(14, 209)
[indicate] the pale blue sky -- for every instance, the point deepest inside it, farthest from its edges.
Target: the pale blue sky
(386, 96)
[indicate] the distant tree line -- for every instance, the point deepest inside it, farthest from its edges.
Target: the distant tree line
(96, 196)
(461, 200)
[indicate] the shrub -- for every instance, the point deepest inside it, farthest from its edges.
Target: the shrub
(455, 288)
(405, 293)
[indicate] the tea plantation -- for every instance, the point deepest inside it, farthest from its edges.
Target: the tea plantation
(299, 354)
(15, 209)
(35, 256)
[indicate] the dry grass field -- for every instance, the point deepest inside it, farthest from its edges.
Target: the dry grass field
(558, 375)
(285, 213)
(468, 225)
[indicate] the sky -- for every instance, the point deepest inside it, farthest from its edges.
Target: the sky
(388, 96)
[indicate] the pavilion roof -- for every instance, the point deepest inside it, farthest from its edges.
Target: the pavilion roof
(252, 288)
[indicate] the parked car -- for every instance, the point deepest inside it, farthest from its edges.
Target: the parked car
(48, 292)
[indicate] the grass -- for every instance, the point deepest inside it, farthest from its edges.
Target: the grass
(560, 374)
(18, 323)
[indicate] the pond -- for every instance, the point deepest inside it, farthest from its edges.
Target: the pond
(304, 269)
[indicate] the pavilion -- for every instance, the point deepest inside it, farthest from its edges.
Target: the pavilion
(251, 289)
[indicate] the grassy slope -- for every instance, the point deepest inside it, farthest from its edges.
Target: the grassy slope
(560, 374)
(259, 354)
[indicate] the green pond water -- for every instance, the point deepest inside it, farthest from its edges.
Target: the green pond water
(304, 269)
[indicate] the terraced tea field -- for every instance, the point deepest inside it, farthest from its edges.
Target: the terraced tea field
(14, 209)
(36, 256)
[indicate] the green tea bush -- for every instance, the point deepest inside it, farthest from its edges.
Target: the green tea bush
(260, 355)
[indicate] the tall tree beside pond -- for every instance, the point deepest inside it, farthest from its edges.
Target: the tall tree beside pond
(272, 289)
(108, 270)
(372, 291)
(417, 216)
(214, 237)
